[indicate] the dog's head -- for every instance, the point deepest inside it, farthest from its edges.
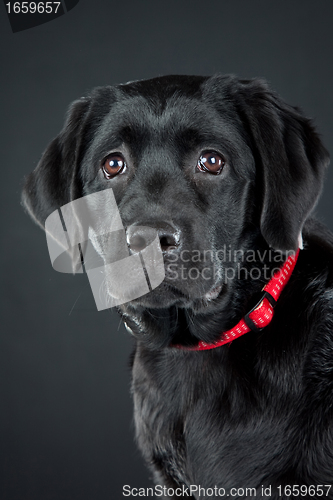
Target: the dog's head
(211, 164)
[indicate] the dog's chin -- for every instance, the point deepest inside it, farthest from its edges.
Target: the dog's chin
(166, 295)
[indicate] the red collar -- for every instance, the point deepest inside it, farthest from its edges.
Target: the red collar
(261, 314)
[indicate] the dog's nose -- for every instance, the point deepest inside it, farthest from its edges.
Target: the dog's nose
(140, 236)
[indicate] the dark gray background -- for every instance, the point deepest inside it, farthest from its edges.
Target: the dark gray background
(66, 412)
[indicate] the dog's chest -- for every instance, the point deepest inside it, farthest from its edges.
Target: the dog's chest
(159, 414)
(180, 419)
(190, 430)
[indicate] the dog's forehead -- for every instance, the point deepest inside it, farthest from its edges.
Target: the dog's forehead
(165, 87)
(168, 109)
(178, 112)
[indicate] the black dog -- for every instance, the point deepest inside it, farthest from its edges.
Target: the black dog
(227, 174)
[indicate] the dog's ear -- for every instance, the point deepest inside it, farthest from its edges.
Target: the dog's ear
(53, 182)
(290, 160)
(57, 179)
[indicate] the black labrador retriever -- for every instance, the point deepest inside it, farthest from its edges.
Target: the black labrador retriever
(230, 400)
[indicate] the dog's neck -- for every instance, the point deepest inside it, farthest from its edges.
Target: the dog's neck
(260, 315)
(189, 327)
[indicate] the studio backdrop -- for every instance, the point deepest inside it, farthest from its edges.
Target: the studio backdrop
(66, 408)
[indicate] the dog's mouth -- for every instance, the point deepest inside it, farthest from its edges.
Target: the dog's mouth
(213, 293)
(168, 295)
(168, 314)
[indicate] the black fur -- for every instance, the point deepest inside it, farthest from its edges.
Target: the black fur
(259, 411)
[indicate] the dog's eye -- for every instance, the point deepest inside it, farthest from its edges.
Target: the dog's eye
(113, 165)
(211, 162)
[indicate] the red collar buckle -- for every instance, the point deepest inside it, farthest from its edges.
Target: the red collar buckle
(247, 319)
